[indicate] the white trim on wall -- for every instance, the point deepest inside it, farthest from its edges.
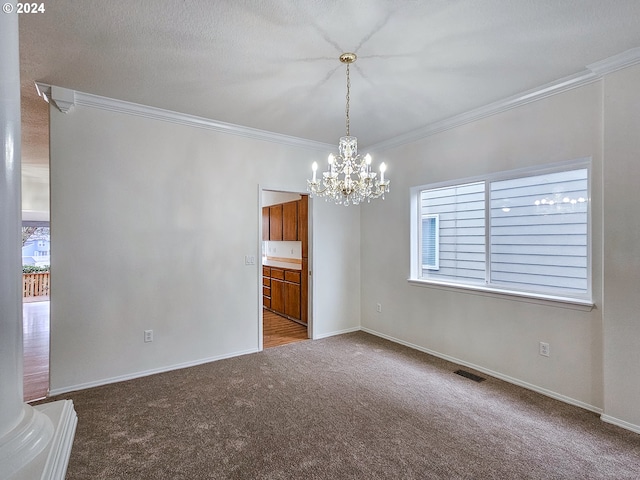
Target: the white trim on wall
(506, 378)
(65, 99)
(592, 73)
(145, 373)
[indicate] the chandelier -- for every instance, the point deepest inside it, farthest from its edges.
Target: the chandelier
(348, 178)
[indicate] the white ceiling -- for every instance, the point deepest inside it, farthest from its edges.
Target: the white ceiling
(273, 64)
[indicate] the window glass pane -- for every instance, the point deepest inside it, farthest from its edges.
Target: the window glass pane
(461, 213)
(430, 242)
(539, 233)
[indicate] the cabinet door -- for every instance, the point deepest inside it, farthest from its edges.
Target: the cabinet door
(304, 291)
(265, 223)
(292, 300)
(275, 222)
(277, 295)
(290, 221)
(303, 224)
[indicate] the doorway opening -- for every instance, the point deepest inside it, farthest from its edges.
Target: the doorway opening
(36, 255)
(284, 268)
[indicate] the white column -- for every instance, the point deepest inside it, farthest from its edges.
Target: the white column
(35, 443)
(10, 219)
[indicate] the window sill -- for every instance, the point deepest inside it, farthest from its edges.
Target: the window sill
(562, 302)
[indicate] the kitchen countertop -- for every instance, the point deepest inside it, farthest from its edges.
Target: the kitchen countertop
(267, 262)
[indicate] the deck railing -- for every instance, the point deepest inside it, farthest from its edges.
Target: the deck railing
(35, 284)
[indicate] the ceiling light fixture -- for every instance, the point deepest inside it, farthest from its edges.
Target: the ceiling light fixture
(348, 178)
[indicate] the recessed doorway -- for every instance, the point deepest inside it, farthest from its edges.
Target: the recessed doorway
(284, 272)
(36, 255)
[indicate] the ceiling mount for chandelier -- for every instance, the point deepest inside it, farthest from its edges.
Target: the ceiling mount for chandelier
(348, 178)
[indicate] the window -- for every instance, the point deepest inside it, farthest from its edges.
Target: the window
(430, 242)
(519, 231)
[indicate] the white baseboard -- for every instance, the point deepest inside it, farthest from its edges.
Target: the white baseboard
(131, 376)
(337, 332)
(620, 423)
(506, 378)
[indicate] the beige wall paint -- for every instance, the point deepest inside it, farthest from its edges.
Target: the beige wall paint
(621, 251)
(150, 224)
(494, 333)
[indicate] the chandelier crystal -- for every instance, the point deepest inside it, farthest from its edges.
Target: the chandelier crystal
(348, 179)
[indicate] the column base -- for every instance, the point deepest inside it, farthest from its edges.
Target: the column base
(40, 446)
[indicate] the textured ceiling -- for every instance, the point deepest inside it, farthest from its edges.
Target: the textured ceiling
(273, 64)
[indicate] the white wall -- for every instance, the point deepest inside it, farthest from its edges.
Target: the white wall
(622, 248)
(150, 223)
(336, 261)
(496, 334)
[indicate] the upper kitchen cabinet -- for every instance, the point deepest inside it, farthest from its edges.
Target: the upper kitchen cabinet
(287, 222)
(290, 221)
(275, 222)
(265, 223)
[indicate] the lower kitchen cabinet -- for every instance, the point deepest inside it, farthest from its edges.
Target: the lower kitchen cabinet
(292, 300)
(277, 295)
(283, 294)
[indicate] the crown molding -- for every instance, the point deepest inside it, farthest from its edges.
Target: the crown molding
(62, 97)
(616, 62)
(65, 99)
(592, 73)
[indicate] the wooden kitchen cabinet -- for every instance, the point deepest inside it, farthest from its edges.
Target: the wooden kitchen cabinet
(290, 221)
(266, 287)
(281, 292)
(285, 291)
(275, 223)
(277, 295)
(292, 300)
(265, 223)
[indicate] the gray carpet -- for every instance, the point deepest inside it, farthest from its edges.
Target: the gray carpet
(352, 406)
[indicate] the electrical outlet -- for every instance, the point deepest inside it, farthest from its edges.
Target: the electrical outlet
(379, 308)
(544, 349)
(148, 336)
(249, 260)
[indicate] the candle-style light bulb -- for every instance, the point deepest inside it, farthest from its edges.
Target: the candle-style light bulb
(367, 159)
(383, 168)
(314, 167)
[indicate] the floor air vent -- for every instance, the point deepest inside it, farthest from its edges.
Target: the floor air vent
(469, 375)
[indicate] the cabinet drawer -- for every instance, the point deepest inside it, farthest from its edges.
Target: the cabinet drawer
(266, 291)
(277, 273)
(266, 281)
(292, 276)
(266, 302)
(266, 271)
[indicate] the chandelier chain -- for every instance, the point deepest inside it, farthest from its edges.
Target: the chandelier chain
(348, 89)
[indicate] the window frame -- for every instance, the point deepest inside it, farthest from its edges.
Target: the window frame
(583, 300)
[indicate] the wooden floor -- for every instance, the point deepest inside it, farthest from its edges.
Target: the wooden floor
(35, 324)
(278, 330)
